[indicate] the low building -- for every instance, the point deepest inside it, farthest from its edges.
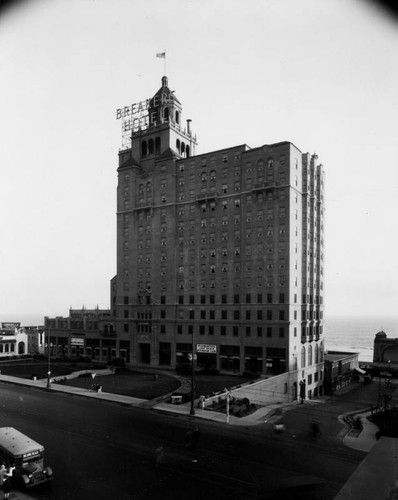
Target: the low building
(85, 332)
(13, 340)
(35, 336)
(341, 369)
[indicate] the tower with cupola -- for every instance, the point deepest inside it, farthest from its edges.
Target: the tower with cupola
(164, 132)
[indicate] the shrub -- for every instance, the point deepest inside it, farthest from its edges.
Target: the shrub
(209, 371)
(117, 362)
(83, 359)
(251, 375)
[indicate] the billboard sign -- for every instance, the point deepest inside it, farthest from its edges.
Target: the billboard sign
(206, 348)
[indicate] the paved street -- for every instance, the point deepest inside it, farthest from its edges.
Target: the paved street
(102, 450)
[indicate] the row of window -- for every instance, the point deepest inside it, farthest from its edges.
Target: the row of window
(270, 162)
(236, 314)
(311, 355)
(227, 331)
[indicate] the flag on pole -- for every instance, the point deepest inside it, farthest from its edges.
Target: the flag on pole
(161, 54)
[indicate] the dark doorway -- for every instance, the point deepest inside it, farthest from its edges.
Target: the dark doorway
(145, 353)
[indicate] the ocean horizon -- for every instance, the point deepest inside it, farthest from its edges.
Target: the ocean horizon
(357, 333)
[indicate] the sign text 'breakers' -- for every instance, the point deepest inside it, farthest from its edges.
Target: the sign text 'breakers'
(133, 109)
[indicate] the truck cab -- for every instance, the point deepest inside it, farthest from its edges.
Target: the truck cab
(25, 458)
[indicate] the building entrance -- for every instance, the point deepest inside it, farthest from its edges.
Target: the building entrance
(145, 353)
(206, 361)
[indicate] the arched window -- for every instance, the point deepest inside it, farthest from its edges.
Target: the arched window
(150, 146)
(166, 114)
(303, 357)
(144, 148)
(270, 163)
(148, 190)
(183, 148)
(187, 151)
(178, 144)
(309, 355)
(141, 192)
(177, 117)
(157, 145)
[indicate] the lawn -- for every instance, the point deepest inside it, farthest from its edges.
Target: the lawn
(144, 385)
(130, 383)
(206, 385)
(29, 368)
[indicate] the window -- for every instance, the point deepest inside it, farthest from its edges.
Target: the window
(303, 357)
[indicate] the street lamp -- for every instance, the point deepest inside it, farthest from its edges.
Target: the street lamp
(48, 361)
(192, 410)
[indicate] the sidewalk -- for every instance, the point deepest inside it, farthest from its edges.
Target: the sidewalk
(365, 441)
(258, 417)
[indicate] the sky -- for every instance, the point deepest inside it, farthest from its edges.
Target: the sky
(323, 75)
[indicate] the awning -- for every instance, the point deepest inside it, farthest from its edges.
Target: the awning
(359, 370)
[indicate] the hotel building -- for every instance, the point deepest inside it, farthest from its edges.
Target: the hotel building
(223, 250)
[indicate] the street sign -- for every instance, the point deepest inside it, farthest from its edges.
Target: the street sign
(207, 348)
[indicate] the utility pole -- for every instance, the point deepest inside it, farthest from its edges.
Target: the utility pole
(192, 411)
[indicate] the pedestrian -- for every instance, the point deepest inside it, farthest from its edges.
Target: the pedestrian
(7, 486)
(159, 455)
(315, 428)
(195, 437)
(188, 439)
(3, 475)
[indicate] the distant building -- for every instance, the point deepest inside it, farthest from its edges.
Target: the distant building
(341, 369)
(385, 350)
(35, 336)
(13, 340)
